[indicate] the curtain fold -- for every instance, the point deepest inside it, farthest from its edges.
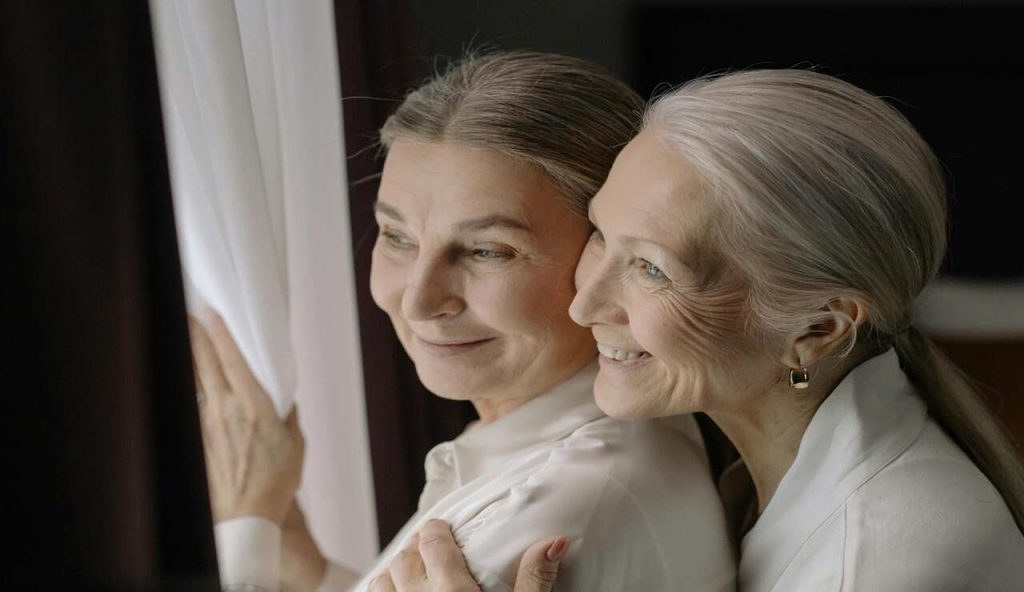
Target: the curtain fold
(252, 103)
(224, 153)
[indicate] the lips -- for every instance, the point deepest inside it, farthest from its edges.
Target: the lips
(451, 347)
(456, 342)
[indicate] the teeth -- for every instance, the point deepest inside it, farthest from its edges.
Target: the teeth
(619, 354)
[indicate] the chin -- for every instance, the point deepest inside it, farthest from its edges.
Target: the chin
(616, 402)
(634, 401)
(448, 385)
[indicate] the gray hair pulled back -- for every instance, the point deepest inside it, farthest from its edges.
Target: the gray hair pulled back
(826, 191)
(565, 115)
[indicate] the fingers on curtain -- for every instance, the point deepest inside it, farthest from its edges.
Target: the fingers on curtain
(212, 380)
(294, 431)
(236, 369)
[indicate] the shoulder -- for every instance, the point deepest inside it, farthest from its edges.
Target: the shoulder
(932, 516)
(933, 485)
(636, 498)
(631, 467)
(634, 451)
(627, 468)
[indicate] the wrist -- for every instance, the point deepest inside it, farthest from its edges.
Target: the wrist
(267, 509)
(303, 567)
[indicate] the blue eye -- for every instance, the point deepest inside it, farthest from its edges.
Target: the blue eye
(652, 271)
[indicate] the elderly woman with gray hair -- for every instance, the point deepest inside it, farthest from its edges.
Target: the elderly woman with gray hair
(482, 214)
(756, 253)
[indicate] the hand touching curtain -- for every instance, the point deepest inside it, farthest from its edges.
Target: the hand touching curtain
(252, 107)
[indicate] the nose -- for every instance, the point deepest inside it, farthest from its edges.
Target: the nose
(431, 291)
(596, 295)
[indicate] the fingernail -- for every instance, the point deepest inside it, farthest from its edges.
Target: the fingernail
(557, 549)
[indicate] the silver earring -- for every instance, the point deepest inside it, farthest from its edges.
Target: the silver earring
(799, 379)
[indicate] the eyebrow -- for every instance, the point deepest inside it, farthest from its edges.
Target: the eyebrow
(495, 221)
(383, 208)
(632, 240)
(472, 225)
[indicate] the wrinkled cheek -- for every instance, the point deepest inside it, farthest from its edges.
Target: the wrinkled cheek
(550, 288)
(702, 330)
(517, 307)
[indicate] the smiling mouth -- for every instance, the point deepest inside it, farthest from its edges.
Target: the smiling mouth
(622, 356)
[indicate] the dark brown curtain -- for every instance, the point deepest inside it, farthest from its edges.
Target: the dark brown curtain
(104, 479)
(377, 58)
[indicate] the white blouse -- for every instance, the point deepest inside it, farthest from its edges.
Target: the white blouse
(880, 499)
(636, 498)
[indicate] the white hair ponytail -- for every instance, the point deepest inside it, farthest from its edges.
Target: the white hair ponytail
(828, 191)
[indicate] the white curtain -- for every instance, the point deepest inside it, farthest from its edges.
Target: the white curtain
(252, 110)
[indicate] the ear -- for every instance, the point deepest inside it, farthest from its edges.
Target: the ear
(843, 318)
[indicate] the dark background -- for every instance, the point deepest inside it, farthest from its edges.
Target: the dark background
(956, 69)
(104, 487)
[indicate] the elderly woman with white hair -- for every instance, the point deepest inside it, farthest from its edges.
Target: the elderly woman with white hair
(757, 251)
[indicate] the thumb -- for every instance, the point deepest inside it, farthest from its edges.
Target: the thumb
(292, 424)
(538, 568)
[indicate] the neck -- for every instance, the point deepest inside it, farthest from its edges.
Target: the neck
(768, 438)
(494, 408)
(768, 434)
(491, 410)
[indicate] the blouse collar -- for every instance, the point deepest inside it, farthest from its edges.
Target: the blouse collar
(546, 418)
(863, 425)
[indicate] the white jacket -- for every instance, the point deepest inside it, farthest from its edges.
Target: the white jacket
(880, 499)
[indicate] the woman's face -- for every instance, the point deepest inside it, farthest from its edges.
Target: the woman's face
(666, 314)
(474, 264)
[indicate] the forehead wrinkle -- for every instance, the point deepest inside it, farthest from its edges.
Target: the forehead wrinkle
(452, 176)
(493, 221)
(505, 212)
(660, 189)
(632, 241)
(667, 237)
(450, 189)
